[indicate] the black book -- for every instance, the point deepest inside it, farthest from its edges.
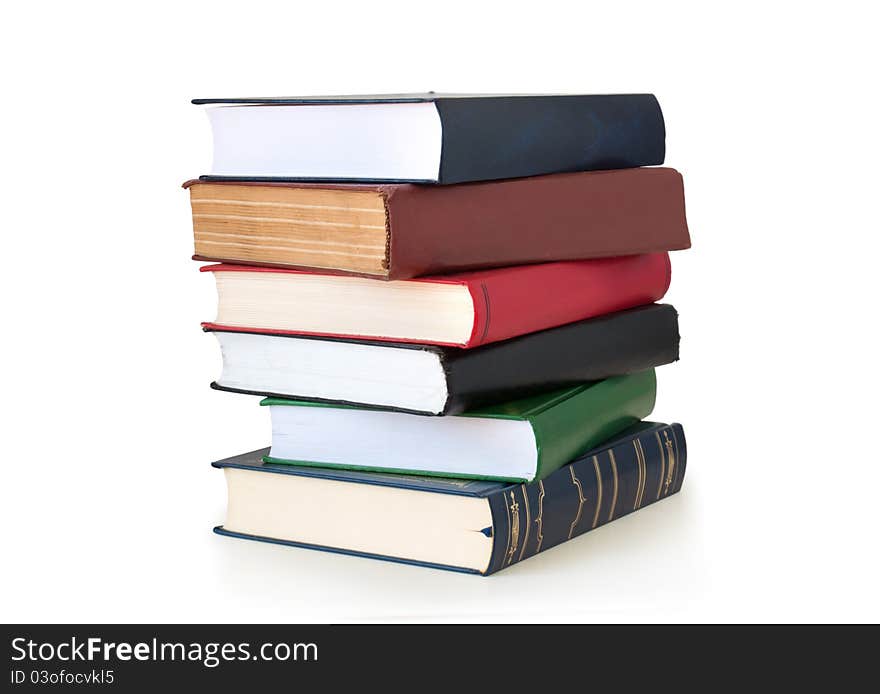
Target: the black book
(431, 138)
(427, 379)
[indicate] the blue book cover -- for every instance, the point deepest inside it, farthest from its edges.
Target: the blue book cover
(641, 466)
(487, 137)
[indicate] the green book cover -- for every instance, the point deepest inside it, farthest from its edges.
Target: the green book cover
(566, 422)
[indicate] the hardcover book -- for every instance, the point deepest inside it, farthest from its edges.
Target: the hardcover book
(461, 525)
(463, 310)
(432, 138)
(405, 231)
(521, 440)
(428, 379)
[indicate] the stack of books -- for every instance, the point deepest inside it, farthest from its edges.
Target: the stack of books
(450, 304)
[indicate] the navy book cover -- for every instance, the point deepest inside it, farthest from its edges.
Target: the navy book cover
(491, 137)
(641, 466)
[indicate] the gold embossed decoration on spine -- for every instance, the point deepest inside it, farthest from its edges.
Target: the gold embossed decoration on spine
(581, 500)
(507, 546)
(539, 521)
(514, 527)
(662, 476)
(598, 491)
(639, 478)
(671, 454)
(644, 462)
(614, 476)
(525, 542)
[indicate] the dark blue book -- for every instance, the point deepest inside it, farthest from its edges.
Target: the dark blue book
(456, 524)
(431, 138)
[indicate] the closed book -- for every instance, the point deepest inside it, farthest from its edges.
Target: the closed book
(456, 524)
(520, 440)
(462, 310)
(432, 138)
(428, 379)
(404, 231)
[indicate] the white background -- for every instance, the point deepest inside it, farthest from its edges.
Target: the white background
(107, 498)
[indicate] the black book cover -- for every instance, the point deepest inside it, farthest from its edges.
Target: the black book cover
(611, 345)
(490, 137)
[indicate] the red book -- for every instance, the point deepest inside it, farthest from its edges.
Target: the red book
(464, 310)
(401, 231)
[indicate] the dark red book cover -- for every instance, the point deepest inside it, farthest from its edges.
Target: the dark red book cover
(432, 230)
(513, 301)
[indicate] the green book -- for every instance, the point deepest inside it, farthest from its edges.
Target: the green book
(519, 441)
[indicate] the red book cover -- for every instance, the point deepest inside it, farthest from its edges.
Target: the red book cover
(513, 301)
(412, 231)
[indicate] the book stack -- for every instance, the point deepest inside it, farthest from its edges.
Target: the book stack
(450, 304)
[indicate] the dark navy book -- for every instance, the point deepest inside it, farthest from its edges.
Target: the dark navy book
(456, 524)
(431, 138)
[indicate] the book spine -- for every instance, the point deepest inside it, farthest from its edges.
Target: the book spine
(585, 494)
(512, 137)
(602, 214)
(591, 350)
(530, 298)
(586, 419)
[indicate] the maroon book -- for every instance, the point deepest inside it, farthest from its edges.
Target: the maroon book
(401, 231)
